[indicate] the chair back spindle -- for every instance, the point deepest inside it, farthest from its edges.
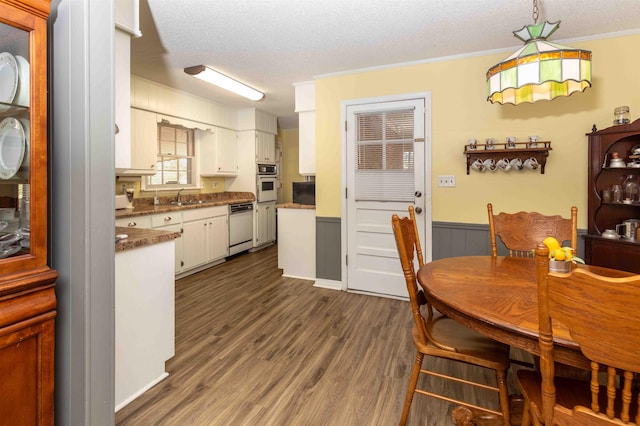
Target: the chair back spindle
(603, 317)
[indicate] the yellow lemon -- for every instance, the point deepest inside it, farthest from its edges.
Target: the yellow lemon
(559, 254)
(551, 243)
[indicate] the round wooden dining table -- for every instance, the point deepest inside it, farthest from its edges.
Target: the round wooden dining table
(498, 297)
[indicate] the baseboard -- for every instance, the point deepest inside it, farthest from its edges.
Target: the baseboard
(141, 391)
(330, 284)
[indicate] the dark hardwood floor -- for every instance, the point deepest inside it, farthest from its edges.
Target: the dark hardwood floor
(254, 348)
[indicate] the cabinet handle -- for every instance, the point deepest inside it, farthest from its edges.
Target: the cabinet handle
(167, 219)
(131, 224)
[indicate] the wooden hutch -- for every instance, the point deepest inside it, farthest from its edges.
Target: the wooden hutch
(27, 297)
(603, 214)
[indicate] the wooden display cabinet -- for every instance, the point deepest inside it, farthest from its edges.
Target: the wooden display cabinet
(621, 253)
(27, 297)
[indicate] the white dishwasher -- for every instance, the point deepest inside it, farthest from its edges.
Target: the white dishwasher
(240, 227)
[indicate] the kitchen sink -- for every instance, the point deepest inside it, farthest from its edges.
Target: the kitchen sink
(184, 203)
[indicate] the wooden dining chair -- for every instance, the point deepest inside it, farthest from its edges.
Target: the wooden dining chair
(521, 232)
(603, 317)
(439, 336)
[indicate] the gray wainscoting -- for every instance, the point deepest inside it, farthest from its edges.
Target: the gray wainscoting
(450, 239)
(328, 248)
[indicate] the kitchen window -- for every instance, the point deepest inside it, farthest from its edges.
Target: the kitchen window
(176, 156)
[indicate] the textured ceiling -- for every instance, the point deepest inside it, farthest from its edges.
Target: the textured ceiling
(271, 44)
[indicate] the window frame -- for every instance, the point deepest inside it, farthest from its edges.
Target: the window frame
(192, 171)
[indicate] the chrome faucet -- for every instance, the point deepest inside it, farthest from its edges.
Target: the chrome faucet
(178, 198)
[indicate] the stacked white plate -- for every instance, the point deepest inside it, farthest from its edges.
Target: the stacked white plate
(12, 147)
(8, 77)
(22, 94)
(14, 80)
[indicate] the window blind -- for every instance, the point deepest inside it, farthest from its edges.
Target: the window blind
(384, 157)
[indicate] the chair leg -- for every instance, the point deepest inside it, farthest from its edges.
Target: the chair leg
(526, 414)
(413, 381)
(501, 379)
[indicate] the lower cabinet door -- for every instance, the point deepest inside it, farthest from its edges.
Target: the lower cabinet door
(195, 248)
(26, 373)
(218, 237)
(179, 258)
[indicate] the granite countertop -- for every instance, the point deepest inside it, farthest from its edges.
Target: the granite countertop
(296, 206)
(140, 237)
(144, 206)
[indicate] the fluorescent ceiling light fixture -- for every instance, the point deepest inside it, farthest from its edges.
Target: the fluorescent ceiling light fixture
(214, 77)
(540, 69)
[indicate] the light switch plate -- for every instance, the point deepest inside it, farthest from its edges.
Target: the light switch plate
(447, 181)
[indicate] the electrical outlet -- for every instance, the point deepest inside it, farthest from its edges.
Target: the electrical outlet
(447, 181)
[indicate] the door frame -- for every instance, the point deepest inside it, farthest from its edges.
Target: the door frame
(427, 244)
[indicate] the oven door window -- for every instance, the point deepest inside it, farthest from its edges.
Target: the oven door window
(268, 185)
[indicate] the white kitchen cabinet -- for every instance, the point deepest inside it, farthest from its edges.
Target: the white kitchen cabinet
(206, 235)
(218, 236)
(134, 222)
(305, 106)
(122, 100)
(195, 243)
(178, 258)
(144, 142)
(144, 318)
(170, 222)
(218, 154)
(265, 225)
(127, 16)
(265, 147)
(297, 243)
(307, 143)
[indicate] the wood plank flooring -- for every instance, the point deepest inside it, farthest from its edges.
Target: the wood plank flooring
(255, 348)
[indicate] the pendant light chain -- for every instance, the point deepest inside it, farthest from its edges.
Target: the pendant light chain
(535, 11)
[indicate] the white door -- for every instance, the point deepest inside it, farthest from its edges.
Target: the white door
(386, 168)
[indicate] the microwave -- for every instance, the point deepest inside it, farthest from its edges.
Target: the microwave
(304, 193)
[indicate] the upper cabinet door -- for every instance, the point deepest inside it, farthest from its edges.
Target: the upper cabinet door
(265, 148)
(23, 136)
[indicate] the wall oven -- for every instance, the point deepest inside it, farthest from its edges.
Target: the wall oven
(266, 183)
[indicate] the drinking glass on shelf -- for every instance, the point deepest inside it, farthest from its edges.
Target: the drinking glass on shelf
(616, 193)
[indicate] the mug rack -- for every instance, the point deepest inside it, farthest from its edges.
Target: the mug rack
(521, 150)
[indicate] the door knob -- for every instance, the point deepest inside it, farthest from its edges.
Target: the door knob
(418, 210)
(418, 194)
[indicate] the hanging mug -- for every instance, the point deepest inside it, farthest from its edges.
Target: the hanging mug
(516, 163)
(490, 164)
(531, 163)
(504, 164)
(478, 165)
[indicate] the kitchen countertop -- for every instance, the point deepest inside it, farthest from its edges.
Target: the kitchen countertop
(142, 206)
(140, 237)
(296, 206)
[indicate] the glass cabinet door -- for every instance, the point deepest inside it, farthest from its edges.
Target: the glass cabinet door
(15, 132)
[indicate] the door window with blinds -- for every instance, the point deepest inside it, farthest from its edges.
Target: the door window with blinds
(384, 156)
(175, 157)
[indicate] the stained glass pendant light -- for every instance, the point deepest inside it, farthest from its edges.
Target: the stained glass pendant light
(540, 69)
